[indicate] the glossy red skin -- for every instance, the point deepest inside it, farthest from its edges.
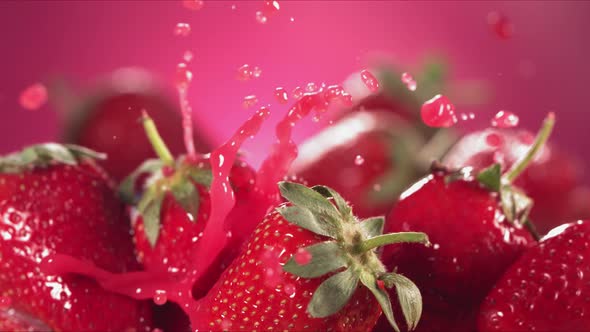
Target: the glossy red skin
(111, 124)
(550, 180)
(68, 210)
(244, 299)
(472, 245)
(547, 289)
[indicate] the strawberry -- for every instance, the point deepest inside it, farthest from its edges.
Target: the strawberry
(54, 199)
(551, 180)
(171, 208)
(546, 289)
(376, 149)
(310, 265)
(477, 223)
(107, 121)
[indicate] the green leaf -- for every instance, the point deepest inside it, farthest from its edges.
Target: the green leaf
(150, 208)
(304, 218)
(372, 226)
(200, 175)
(187, 196)
(325, 257)
(333, 294)
(392, 238)
(408, 295)
(491, 177)
(80, 151)
(52, 151)
(382, 297)
(127, 187)
(328, 192)
(303, 196)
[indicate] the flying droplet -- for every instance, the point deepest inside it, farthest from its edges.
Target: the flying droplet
(438, 112)
(261, 18)
(160, 298)
(501, 25)
(256, 72)
(33, 97)
(249, 101)
(182, 29)
(409, 81)
(188, 56)
(183, 75)
(359, 160)
(370, 81)
(297, 93)
(504, 119)
(281, 95)
(193, 4)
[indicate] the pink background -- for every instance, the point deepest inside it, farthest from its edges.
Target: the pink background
(325, 43)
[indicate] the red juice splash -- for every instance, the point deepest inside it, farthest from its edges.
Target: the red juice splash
(297, 92)
(505, 119)
(183, 79)
(370, 80)
(269, 9)
(33, 97)
(438, 112)
(281, 95)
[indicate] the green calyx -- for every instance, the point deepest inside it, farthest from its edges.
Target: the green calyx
(43, 155)
(350, 254)
(516, 204)
(164, 176)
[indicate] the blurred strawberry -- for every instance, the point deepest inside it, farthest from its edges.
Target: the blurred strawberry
(552, 179)
(376, 149)
(54, 199)
(108, 120)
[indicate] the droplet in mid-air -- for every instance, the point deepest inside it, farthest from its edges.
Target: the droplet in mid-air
(182, 29)
(297, 93)
(370, 80)
(188, 56)
(438, 112)
(504, 119)
(33, 97)
(359, 160)
(281, 95)
(250, 101)
(193, 4)
(500, 25)
(409, 81)
(183, 75)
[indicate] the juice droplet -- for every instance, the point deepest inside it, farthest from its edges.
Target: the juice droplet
(271, 8)
(467, 116)
(233, 7)
(188, 56)
(504, 119)
(409, 81)
(256, 72)
(290, 290)
(494, 140)
(193, 4)
(33, 97)
(183, 75)
(370, 81)
(302, 256)
(160, 298)
(261, 18)
(297, 93)
(292, 19)
(281, 95)
(311, 87)
(5, 301)
(359, 160)
(249, 101)
(182, 29)
(438, 112)
(500, 25)
(244, 72)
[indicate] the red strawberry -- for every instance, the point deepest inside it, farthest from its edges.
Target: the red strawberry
(310, 265)
(376, 149)
(547, 289)
(476, 224)
(108, 121)
(172, 208)
(55, 200)
(551, 180)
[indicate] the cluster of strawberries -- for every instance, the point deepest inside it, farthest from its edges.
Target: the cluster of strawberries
(457, 250)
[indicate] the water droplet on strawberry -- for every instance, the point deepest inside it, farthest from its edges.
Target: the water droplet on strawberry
(193, 4)
(290, 290)
(359, 160)
(297, 93)
(182, 29)
(504, 119)
(160, 298)
(249, 101)
(409, 81)
(302, 256)
(261, 18)
(370, 81)
(438, 112)
(281, 95)
(33, 97)
(494, 140)
(500, 25)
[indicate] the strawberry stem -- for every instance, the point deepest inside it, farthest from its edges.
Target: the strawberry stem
(391, 238)
(518, 167)
(156, 140)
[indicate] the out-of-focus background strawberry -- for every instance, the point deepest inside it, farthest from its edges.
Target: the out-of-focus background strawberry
(542, 67)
